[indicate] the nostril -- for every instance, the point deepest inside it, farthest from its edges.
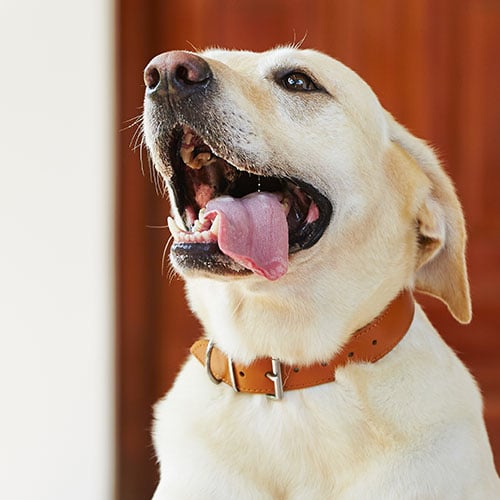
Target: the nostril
(192, 74)
(182, 75)
(176, 74)
(152, 77)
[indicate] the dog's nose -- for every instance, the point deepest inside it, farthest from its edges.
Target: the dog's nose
(178, 73)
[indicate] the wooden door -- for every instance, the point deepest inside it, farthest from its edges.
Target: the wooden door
(434, 65)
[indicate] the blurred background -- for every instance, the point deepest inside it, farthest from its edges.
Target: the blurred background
(92, 332)
(57, 185)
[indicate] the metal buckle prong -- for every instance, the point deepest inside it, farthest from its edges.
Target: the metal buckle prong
(208, 356)
(276, 378)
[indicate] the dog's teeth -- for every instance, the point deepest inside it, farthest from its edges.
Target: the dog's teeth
(174, 228)
(208, 236)
(186, 141)
(214, 229)
(187, 154)
(197, 226)
(201, 215)
(200, 161)
(204, 156)
(197, 234)
(285, 203)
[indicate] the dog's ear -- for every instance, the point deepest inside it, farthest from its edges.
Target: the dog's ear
(441, 269)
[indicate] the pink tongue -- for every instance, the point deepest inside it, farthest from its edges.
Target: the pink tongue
(253, 231)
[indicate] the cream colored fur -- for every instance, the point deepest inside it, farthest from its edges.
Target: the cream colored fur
(407, 427)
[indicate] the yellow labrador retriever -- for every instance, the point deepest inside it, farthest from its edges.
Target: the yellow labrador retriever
(303, 218)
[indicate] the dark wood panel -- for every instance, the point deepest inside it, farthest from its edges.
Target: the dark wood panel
(433, 64)
(136, 252)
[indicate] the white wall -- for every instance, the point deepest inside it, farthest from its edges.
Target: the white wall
(56, 255)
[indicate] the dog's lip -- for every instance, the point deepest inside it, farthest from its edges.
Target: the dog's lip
(200, 173)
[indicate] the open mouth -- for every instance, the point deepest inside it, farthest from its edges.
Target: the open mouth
(235, 221)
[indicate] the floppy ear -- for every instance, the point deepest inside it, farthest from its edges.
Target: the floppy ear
(441, 269)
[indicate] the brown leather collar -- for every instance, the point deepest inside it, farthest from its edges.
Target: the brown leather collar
(269, 376)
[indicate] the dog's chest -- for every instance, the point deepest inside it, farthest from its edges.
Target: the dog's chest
(310, 440)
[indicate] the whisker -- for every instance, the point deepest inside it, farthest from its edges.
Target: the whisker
(155, 178)
(193, 46)
(297, 44)
(141, 162)
(132, 122)
(138, 136)
(163, 258)
(172, 274)
(141, 156)
(163, 188)
(135, 117)
(137, 139)
(233, 313)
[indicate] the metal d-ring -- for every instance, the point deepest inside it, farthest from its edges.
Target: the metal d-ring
(208, 356)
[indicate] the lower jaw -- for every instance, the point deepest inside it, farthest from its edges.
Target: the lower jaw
(205, 258)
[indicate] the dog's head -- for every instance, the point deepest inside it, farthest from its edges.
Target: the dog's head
(283, 168)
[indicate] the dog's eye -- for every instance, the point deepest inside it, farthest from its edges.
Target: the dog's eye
(299, 82)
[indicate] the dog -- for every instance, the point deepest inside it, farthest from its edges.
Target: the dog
(303, 217)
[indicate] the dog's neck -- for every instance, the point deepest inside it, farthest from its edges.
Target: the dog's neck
(248, 323)
(368, 345)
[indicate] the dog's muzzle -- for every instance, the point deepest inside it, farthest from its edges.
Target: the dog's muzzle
(233, 218)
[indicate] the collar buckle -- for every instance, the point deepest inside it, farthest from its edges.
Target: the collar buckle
(275, 377)
(232, 375)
